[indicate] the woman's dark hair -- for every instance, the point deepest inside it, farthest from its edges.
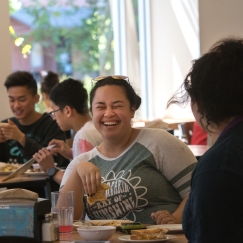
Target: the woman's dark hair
(71, 93)
(21, 78)
(215, 82)
(134, 99)
(48, 82)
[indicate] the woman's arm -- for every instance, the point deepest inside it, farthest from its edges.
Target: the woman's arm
(74, 183)
(85, 178)
(164, 217)
(178, 213)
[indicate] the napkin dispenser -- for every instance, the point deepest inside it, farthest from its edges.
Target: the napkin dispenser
(21, 215)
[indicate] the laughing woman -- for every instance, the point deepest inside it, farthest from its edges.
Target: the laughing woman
(148, 170)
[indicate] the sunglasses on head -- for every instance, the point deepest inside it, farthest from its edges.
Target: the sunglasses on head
(97, 79)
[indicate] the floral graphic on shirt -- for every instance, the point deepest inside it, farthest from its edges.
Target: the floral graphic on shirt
(125, 197)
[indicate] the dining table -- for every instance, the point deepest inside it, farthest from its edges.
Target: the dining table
(39, 183)
(174, 123)
(198, 150)
(75, 237)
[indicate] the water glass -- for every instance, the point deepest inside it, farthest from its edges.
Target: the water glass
(63, 205)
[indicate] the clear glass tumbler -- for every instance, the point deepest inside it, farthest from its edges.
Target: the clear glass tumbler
(63, 205)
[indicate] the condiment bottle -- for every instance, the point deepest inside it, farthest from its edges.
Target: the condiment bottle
(48, 229)
(56, 225)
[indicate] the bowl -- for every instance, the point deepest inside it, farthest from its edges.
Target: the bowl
(96, 232)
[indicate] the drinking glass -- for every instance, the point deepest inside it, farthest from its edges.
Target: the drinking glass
(62, 204)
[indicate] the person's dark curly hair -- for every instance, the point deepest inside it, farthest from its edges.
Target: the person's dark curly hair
(215, 82)
(134, 99)
(71, 93)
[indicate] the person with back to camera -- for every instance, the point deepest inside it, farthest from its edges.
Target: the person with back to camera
(69, 102)
(28, 131)
(49, 80)
(214, 85)
(147, 169)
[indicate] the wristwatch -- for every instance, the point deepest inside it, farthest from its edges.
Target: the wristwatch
(52, 171)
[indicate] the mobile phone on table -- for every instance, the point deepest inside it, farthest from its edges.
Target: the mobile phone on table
(127, 227)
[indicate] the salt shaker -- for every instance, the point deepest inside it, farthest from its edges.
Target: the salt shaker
(48, 229)
(56, 225)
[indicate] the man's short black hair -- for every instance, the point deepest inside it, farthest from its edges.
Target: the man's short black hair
(71, 93)
(21, 78)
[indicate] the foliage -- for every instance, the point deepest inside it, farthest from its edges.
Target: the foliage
(14, 5)
(90, 37)
(19, 41)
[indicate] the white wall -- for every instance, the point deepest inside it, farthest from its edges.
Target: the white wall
(178, 26)
(5, 62)
(218, 19)
(175, 43)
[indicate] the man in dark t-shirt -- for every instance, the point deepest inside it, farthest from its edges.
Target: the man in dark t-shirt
(28, 131)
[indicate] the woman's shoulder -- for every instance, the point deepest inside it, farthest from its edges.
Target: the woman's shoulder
(153, 138)
(157, 133)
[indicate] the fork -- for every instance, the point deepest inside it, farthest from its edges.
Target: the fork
(85, 223)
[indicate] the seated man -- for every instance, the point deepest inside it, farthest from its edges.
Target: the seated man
(28, 131)
(69, 101)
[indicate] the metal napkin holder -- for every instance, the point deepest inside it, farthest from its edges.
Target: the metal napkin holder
(21, 218)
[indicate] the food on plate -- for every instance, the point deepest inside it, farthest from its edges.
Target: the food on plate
(99, 195)
(115, 223)
(35, 168)
(8, 168)
(148, 234)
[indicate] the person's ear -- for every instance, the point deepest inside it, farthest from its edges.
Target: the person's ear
(36, 98)
(68, 111)
(194, 106)
(133, 110)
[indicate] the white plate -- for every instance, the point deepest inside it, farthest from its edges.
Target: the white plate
(33, 173)
(170, 227)
(108, 222)
(127, 238)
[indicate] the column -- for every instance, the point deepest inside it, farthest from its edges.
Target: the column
(5, 53)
